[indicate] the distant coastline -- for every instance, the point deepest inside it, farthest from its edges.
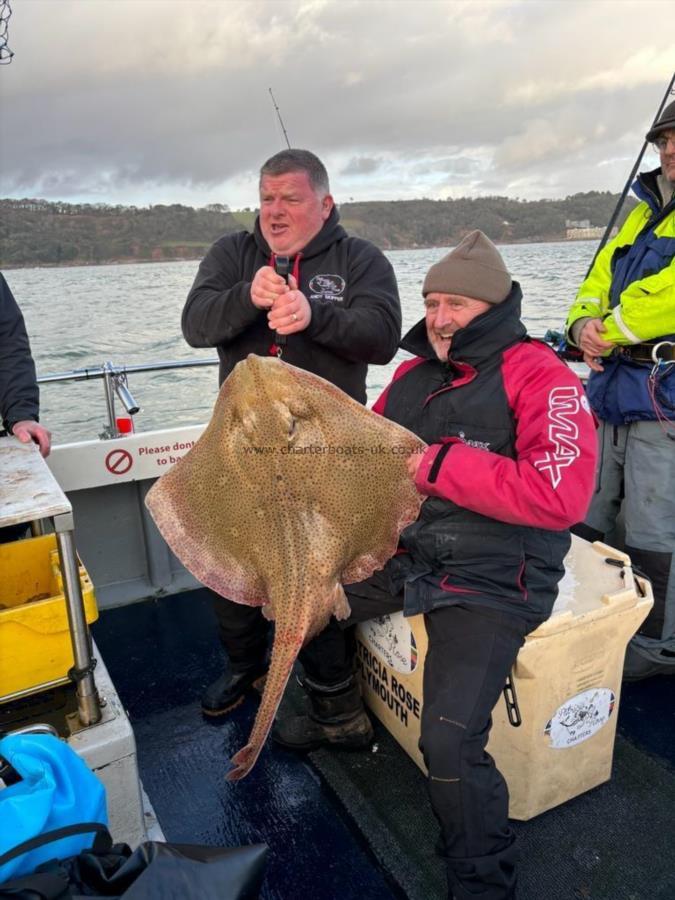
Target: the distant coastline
(135, 261)
(42, 234)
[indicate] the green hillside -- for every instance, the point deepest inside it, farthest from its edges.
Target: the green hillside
(37, 232)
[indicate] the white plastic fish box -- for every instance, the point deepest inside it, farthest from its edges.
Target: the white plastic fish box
(567, 681)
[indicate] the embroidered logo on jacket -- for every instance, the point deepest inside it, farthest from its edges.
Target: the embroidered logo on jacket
(563, 431)
(327, 287)
(481, 445)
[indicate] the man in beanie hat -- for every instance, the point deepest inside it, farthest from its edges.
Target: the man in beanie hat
(624, 321)
(508, 469)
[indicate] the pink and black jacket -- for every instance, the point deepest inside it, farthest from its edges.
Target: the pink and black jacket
(509, 469)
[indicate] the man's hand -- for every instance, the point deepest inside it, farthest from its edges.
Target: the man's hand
(413, 462)
(266, 287)
(592, 343)
(291, 311)
(28, 430)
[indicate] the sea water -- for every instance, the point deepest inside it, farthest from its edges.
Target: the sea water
(83, 316)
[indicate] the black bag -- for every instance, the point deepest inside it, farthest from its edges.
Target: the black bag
(154, 871)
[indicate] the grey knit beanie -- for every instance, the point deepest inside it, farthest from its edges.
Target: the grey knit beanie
(473, 269)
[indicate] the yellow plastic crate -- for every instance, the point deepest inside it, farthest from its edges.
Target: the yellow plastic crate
(35, 645)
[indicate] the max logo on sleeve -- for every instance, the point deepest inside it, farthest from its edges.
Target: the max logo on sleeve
(564, 404)
(327, 287)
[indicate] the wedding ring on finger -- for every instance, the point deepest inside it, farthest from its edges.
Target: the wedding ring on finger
(294, 318)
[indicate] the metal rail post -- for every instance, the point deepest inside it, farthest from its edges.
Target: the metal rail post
(108, 383)
(87, 697)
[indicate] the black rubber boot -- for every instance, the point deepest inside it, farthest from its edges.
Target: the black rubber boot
(337, 718)
(228, 691)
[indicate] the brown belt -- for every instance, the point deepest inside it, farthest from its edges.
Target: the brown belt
(643, 352)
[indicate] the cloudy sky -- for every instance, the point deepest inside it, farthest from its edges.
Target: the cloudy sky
(167, 101)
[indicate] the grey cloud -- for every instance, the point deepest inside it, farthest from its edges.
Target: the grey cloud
(361, 165)
(412, 95)
(450, 166)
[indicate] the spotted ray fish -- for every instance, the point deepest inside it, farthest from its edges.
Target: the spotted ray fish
(293, 490)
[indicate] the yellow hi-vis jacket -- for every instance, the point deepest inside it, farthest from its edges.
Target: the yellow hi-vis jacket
(631, 286)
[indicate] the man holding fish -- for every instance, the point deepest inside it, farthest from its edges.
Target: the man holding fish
(336, 312)
(508, 469)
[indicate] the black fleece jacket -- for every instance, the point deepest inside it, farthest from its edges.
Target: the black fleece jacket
(350, 285)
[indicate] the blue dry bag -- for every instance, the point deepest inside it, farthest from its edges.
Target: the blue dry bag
(56, 789)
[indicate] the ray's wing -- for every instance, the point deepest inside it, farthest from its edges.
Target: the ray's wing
(387, 502)
(365, 491)
(208, 509)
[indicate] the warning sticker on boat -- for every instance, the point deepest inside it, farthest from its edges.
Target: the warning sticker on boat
(392, 638)
(580, 717)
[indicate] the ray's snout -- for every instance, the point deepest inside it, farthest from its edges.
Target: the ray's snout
(263, 376)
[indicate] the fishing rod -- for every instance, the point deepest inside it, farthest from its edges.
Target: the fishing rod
(629, 182)
(281, 121)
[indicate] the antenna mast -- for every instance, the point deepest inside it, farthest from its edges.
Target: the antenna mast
(281, 121)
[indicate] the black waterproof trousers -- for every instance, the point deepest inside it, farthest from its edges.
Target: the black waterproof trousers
(471, 652)
(243, 632)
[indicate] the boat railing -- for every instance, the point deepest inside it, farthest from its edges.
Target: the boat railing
(116, 385)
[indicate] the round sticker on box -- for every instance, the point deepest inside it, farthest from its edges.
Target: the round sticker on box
(392, 638)
(580, 717)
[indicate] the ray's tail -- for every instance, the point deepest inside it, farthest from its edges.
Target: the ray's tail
(284, 653)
